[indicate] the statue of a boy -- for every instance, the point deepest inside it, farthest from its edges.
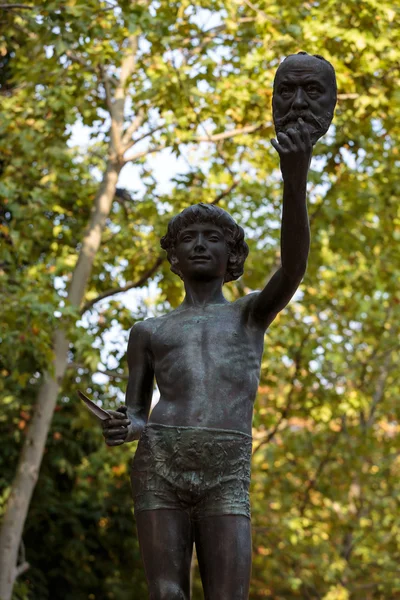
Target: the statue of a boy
(191, 472)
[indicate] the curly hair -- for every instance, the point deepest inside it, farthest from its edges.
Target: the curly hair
(209, 213)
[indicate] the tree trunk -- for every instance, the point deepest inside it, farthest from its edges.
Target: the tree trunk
(34, 445)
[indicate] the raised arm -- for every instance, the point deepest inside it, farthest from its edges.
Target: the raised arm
(128, 422)
(294, 148)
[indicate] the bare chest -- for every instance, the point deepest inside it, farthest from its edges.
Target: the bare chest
(213, 332)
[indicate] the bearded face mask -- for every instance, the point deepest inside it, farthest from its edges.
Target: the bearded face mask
(304, 86)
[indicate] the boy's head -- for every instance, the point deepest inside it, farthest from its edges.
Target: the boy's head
(237, 249)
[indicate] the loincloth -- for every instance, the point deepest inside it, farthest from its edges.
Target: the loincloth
(204, 471)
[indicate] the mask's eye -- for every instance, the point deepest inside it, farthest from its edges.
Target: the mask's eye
(285, 91)
(313, 91)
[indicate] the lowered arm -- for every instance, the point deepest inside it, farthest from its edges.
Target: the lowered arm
(139, 391)
(127, 423)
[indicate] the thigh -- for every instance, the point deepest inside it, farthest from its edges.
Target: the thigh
(223, 546)
(166, 545)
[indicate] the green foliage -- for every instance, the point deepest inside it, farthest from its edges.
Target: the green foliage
(83, 512)
(325, 488)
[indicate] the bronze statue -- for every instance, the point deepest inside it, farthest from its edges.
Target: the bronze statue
(191, 472)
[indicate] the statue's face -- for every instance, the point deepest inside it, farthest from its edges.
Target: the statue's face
(201, 252)
(303, 88)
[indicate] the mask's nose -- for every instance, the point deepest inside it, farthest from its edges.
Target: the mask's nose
(300, 101)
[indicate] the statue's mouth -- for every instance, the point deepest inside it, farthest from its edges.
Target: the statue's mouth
(200, 258)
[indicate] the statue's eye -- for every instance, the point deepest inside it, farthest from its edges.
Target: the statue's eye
(186, 238)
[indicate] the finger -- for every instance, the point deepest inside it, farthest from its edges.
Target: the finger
(117, 427)
(295, 138)
(112, 430)
(279, 148)
(114, 442)
(115, 423)
(305, 133)
(275, 145)
(116, 432)
(116, 436)
(106, 431)
(286, 141)
(283, 139)
(115, 414)
(122, 409)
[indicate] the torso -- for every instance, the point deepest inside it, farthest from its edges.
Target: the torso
(207, 364)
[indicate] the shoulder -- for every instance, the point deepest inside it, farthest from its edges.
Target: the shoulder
(248, 308)
(144, 330)
(141, 331)
(245, 303)
(139, 344)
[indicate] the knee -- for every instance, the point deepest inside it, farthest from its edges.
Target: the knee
(167, 590)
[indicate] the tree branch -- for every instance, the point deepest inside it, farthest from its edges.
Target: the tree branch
(287, 407)
(27, 7)
(79, 60)
(208, 36)
(114, 133)
(226, 192)
(129, 286)
(112, 374)
(261, 12)
(347, 96)
(208, 137)
(385, 370)
(128, 66)
(11, 6)
(20, 569)
(145, 135)
(23, 564)
(133, 127)
(138, 155)
(313, 480)
(229, 134)
(116, 104)
(379, 390)
(211, 138)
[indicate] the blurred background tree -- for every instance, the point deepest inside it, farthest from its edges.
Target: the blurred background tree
(182, 92)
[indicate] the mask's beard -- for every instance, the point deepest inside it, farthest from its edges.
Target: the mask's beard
(317, 126)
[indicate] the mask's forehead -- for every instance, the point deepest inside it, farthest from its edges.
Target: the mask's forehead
(303, 65)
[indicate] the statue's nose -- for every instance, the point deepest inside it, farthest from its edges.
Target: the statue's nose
(200, 243)
(300, 101)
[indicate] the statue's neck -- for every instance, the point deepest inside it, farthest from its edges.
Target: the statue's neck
(200, 293)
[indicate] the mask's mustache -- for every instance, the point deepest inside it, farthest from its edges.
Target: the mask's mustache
(321, 123)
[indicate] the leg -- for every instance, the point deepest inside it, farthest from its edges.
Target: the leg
(166, 545)
(223, 546)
